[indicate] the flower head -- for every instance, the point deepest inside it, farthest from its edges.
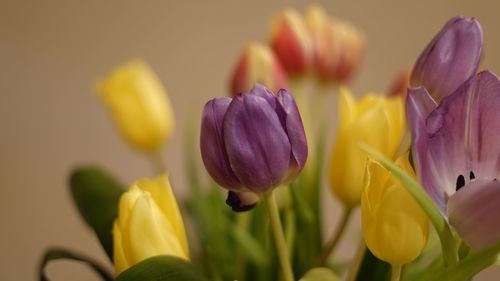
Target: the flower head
(291, 43)
(338, 46)
(375, 120)
(148, 224)
(138, 104)
(253, 142)
(395, 228)
(456, 150)
(257, 64)
(450, 59)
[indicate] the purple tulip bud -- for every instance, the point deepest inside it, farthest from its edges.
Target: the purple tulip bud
(450, 59)
(242, 201)
(254, 142)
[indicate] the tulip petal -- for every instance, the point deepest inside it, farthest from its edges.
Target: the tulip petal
(295, 131)
(162, 194)
(212, 145)
(119, 258)
(473, 212)
(460, 138)
(148, 233)
(451, 58)
(256, 143)
(419, 105)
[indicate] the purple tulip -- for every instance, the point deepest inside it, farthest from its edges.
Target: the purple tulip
(254, 142)
(456, 152)
(450, 59)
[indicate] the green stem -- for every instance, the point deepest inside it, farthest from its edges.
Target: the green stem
(356, 263)
(159, 164)
(279, 238)
(334, 240)
(396, 272)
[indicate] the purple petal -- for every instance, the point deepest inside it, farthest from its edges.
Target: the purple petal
(242, 201)
(256, 143)
(212, 146)
(473, 212)
(419, 105)
(460, 137)
(451, 58)
(296, 134)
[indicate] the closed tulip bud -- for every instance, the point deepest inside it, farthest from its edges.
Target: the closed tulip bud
(450, 59)
(138, 104)
(149, 224)
(242, 201)
(253, 142)
(374, 120)
(338, 46)
(291, 42)
(258, 64)
(395, 228)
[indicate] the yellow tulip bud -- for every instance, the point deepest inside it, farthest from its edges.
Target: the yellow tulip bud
(374, 120)
(138, 104)
(395, 228)
(149, 224)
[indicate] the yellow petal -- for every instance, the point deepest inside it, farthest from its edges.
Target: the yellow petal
(162, 194)
(395, 228)
(119, 257)
(148, 233)
(138, 104)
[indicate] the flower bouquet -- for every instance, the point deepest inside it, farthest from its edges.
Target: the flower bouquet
(420, 162)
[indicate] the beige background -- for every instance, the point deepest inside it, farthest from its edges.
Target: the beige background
(50, 120)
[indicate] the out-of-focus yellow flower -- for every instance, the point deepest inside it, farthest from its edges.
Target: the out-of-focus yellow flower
(258, 64)
(395, 228)
(138, 104)
(291, 42)
(149, 224)
(374, 120)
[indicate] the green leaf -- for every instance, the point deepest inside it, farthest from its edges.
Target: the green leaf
(320, 274)
(469, 266)
(60, 253)
(96, 194)
(372, 268)
(448, 242)
(161, 268)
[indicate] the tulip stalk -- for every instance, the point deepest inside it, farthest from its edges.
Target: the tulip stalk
(158, 162)
(395, 272)
(334, 240)
(279, 237)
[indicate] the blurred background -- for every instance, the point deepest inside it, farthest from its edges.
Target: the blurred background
(52, 52)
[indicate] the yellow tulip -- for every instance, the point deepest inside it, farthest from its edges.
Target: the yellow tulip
(149, 224)
(374, 120)
(138, 104)
(395, 228)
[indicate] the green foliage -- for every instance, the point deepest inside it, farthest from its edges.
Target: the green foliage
(64, 254)
(96, 195)
(161, 268)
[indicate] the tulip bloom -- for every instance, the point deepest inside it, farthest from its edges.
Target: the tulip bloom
(258, 64)
(452, 57)
(242, 201)
(253, 142)
(375, 120)
(395, 228)
(138, 104)
(455, 150)
(291, 42)
(338, 46)
(149, 224)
